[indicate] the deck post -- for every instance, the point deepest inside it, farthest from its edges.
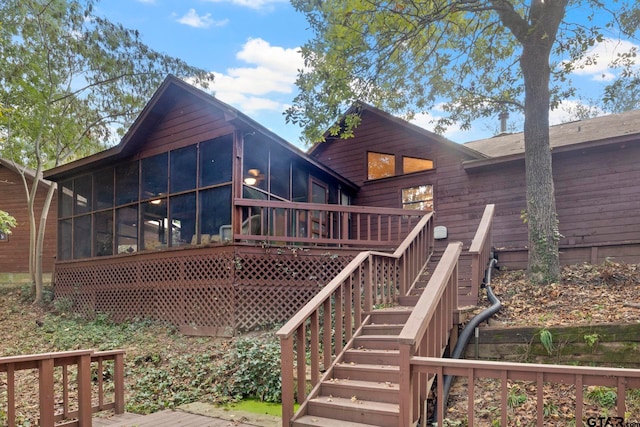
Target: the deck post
(45, 379)
(405, 386)
(286, 368)
(118, 374)
(84, 390)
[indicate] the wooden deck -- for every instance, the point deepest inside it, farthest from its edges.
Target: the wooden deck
(166, 419)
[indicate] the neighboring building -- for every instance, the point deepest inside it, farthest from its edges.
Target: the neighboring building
(596, 174)
(14, 247)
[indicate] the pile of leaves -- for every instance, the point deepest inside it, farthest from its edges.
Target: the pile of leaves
(587, 294)
(163, 369)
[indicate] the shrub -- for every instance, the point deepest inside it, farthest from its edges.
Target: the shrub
(252, 369)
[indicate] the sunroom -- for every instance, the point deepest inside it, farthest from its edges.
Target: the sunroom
(204, 218)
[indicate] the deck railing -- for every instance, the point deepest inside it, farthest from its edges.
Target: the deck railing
(480, 249)
(62, 406)
(370, 278)
(315, 223)
(426, 332)
(572, 379)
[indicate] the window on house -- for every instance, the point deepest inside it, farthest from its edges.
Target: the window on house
(380, 165)
(154, 174)
(418, 198)
(4, 237)
(183, 169)
(216, 161)
(103, 189)
(103, 232)
(414, 164)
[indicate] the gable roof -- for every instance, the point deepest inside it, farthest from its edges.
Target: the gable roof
(155, 109)
(362, 106)
(595, 131)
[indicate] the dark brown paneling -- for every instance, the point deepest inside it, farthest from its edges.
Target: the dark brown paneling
(597, 193)
(14, 253)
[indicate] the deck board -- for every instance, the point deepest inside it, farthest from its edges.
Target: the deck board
(164, 419)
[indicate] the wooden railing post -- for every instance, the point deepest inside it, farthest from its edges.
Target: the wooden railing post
(368, 285)
(45, 379)
(480, 248)
(118, 378)
(84, 390)
(286, 368)
(405, 386)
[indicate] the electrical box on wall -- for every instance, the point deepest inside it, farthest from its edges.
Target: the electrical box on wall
(440, 232)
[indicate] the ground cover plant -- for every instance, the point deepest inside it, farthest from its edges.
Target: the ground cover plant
(163, 369)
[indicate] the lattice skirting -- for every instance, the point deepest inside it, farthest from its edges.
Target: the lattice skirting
(231, 288)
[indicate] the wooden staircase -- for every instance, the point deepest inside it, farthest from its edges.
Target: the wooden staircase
(361, 387)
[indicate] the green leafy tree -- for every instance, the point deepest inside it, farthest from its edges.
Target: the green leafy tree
(7, 222)
(69, 81)
(481, 57)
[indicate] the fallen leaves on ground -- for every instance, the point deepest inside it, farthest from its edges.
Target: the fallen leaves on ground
(587, 294)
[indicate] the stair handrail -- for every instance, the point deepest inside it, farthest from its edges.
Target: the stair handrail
(371, 277)
(481, 247)
(427, 331)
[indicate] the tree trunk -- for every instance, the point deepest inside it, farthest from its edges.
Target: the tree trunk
(544, 262)
(39, 282)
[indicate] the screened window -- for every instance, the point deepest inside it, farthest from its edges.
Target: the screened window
(380, 165)
(82, 237)
(182, 171)
(127, 183)
(183, 219)
(103, 231)
(127, 229)
(103, 189)
(65, 208)
(215, 161)
(215, 211)
(279, 176)
(82, 196)
(155, 224)
(300, 184)
(65, 242)
(414, 164)
(154, 173)
(256, 164)
(419, 198)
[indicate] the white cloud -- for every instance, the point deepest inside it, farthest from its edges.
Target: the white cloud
(192, 19)
(601, 56)
(271, 73)
(251, 4)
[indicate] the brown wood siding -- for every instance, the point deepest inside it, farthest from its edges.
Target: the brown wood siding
(14, 253)
(188, 122)
(597, 191)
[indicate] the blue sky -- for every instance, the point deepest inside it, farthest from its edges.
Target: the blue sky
(252, 47)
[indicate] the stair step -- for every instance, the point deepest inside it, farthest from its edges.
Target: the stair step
(379, 342)
(372, 357)
(366, 390)
(408, 300)
(399, 315)
(308, 421)
(355, 410)
(364, 372)
(391, 329)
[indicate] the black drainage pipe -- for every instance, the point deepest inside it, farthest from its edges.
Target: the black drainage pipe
(467, 332)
